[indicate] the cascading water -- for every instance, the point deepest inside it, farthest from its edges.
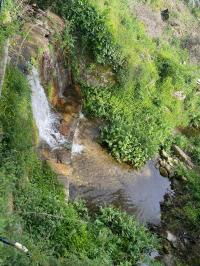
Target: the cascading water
(46, 120)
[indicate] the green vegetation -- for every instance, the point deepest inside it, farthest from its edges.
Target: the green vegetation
(181, 214)
(141, 110)
(9, 19)
(55, 232)
(138, 112)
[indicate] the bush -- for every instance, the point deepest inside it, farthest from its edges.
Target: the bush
(55, 232)
(141, 110)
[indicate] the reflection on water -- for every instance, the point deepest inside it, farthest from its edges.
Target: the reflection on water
(100, 180)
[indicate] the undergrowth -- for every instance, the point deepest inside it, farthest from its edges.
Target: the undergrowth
(33, 207)
(141, 109)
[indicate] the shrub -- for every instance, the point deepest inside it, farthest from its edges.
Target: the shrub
(55, 232)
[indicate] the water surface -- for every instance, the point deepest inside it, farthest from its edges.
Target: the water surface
(100, 180)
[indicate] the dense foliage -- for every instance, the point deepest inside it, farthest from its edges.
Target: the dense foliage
(138, 112)
(141, 110)
(56, 232)
(9, 19)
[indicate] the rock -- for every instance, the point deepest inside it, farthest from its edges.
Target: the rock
(198, 82)
(164, 154)
(183, 178)
(165, 14)
(170, 237)
(176, 161)
(170, 161)
(179, 95)
(183, 156)
(64, 128)
(63, 156)
(165, 165)
(163, 171)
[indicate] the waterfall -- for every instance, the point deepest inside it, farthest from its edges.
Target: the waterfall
(46, 120)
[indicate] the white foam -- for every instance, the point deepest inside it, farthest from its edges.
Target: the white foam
(46, 120)
(77, 148)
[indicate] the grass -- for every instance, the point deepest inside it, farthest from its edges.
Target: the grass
(148, 75)
(55, 232)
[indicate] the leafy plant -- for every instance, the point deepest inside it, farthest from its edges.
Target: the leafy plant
(55, 232)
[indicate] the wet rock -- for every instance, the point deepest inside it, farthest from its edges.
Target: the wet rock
(166, 160)
(163, 171)
(64, 128)
(183, 156)
(63, 156)
(165, 165)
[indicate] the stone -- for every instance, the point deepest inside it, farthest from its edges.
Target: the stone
(170, 237)
(63, 156)
(164, 154)
(168, 166)
(163, 171)
(183, 178)
(179, 95)
(183, 156)
(165, 14)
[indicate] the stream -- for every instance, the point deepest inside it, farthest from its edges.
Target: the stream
(96, 177)
(101, 181)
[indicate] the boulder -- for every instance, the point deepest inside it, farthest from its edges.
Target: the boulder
(163, 171)
(183, 156)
